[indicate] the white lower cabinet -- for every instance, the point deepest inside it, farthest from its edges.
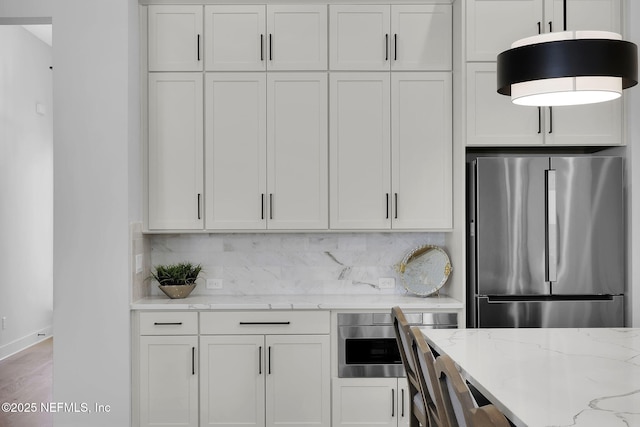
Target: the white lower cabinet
(232, 389)
(168, 381)
(371, 402)
(263, 379)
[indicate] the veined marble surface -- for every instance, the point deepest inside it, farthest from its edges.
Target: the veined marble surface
(297, 302)
(551, 377)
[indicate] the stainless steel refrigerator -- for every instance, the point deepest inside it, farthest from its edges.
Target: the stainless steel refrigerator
(547, 242)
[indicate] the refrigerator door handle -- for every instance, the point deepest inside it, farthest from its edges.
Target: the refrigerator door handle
(551, 226)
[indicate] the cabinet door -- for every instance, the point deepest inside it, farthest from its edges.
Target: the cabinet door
(168, 381)
(236, 147)
(601, 15)
(591, 124)
(297, 151)
(235, 37)
(491, 118)
(405, 403)
(297, 37)
(360, 176)
(365, 402)
(175, 151)
(422, 147)
(492, 25)
(175, 38)
(421, 38)
(297, 383)
(359, 37)
(232, 380)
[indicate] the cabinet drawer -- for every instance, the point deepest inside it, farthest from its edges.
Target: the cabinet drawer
(168, 323)
(264, 322)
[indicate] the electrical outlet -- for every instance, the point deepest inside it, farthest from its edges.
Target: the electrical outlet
(214, 283)
(138, 263)
(4, 323)
(386, 283)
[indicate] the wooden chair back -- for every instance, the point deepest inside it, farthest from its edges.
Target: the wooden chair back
(459, 405)
(402, 331)
(426, 372)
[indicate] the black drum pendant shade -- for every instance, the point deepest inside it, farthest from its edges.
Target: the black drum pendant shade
(567, 68)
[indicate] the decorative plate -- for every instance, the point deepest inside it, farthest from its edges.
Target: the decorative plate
(425, 270)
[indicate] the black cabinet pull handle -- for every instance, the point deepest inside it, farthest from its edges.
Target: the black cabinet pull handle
(270, 205)
(262, 208)
(260, 360)
(269, 372)
(198, 47)
(386, 47)
(393, 403)
(387, 207)
(193, 360)
(395, 196)
(395, 47)
(167, 323)
(261, 47)
(402, 413)
(539, 28)
(265, 323)
(199, 197)
(550, 27)
(270, 48)
(539, 119)
(550, 119)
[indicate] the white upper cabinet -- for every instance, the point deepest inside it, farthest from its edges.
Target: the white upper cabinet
(297, 151)
(492, 25)
(266, 145)
(175, 38)
(602, 15)
(359, 37)
(235, 128)
(421, 37)
(391, 150)
(273, 37)
(383, 37)
(175, 151)
(360, 139)
(235, 37)
(297, 37)
(422, 150)
(492, 120)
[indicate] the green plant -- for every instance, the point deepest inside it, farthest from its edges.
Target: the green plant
(183, 273)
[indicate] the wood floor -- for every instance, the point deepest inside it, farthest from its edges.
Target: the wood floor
(27, 377)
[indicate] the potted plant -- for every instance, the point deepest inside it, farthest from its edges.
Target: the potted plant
(176, 280)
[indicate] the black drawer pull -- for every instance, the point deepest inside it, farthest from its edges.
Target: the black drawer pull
(167, 323)
(265, 323)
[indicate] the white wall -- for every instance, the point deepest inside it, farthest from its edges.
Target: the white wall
(95, 99)
(26, 186)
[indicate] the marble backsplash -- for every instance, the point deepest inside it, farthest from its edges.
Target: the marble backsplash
(277, 264)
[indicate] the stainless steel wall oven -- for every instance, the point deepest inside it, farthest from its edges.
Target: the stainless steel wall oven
(367, 342)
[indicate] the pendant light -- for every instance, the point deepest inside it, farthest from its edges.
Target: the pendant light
(567, 68)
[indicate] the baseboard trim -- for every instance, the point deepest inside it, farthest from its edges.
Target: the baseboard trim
(25, 342)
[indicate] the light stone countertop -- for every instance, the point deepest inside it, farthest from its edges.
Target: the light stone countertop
(298, 302)
(551, 377)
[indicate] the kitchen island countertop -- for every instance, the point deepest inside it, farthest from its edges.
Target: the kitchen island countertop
(551, 377)
(298, 302)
